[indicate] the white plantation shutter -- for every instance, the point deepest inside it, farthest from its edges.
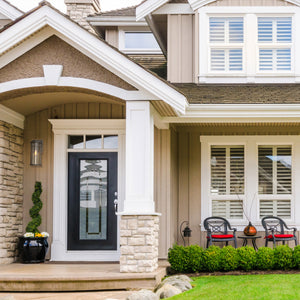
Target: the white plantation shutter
(226, 39)
(229, 209)
(275, 178)
(277, 33)
(218, 170)
(237, 170)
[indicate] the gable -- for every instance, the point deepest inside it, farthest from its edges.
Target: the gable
(54, 51)
(250, 3)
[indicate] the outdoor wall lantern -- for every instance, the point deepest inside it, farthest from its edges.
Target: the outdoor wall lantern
(36, 152)
(186, 232)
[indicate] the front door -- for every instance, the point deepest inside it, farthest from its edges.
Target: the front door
(92, 188)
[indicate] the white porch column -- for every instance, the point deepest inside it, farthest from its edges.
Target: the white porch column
(139, 222)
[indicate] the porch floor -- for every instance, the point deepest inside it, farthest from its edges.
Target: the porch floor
(75, 277)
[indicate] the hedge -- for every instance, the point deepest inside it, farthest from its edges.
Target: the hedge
(195, 259)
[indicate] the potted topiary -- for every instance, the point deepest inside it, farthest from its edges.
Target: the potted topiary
(33, 245)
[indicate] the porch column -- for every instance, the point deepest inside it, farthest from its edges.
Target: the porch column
(139, 223)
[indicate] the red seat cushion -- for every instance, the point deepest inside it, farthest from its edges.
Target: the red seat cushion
(221, 236)
(280, 236)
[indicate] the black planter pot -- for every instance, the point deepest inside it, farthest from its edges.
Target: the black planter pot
(33, 250)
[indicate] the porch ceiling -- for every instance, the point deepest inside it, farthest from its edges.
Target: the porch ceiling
(31, 100)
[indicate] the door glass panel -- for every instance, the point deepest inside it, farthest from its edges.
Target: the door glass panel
(75, 142)
(93, 142)
(110, 142)
(93, 199)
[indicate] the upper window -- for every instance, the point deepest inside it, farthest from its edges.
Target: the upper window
(275, 42)
(226, 44)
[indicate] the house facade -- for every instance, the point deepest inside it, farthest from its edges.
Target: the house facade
(148, 116)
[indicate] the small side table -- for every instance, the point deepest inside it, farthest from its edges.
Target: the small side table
(250, 237)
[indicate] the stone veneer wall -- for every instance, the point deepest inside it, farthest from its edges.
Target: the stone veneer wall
(139, 243)
(11, 190)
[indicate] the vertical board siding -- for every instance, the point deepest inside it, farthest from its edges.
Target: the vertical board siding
(37, 126)
(112, 36)
(180, 48)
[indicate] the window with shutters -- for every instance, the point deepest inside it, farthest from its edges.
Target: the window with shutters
(275, 180)
(227, 181)
(275, 43)
(226, 40)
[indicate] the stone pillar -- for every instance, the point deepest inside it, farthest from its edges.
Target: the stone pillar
(11, 190)
(79, 10)
(139, 243)
(139, 223)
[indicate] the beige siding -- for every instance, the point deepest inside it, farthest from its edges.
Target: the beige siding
(180, 48)
(112, 36)
(38, 127)
(250, 3)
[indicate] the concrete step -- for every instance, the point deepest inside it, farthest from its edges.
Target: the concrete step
(74, 277)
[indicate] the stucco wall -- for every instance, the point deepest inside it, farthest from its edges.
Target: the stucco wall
(54, 51)
(11, 190)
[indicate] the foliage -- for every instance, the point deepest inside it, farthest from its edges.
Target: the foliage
(244, 287)
(179, 259)
(247, 258)
(265, 258)
(195, 258)
(34, 211)
(283, 257)
(212, 259)
(228, 259)
(296, 257)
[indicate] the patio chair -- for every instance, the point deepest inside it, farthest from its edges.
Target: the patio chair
(274, 228)
(217, 231)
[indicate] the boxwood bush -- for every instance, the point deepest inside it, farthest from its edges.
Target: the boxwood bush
(283, 257)
(247, 258)
(193, 258)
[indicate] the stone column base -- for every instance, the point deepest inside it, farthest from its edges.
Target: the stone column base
(139, 243)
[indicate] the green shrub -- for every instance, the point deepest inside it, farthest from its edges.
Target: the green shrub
(229, 258)
(212, 259)
(283, 257)
(247, 258)
(196, 258)
(265, 258)
(179, 259)
(296, 257)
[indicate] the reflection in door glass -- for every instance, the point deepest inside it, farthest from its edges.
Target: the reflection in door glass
(93, 199)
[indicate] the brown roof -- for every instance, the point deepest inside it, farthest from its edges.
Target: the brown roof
(240, 93)
(127, 11)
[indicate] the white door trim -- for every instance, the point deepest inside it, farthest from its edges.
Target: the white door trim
(61, 130)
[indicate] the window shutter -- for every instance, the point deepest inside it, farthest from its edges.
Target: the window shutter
(283, 59)
(280, 208)
(235, 60)
(217, 30)
(265, 30)
(284, 170)
(284, 30)
(218, 171)
(236, 30)
(237, 170)
(217, 60)
(275, 59)
(265, 167)
(230, 209)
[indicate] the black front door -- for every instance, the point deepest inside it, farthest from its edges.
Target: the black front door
(92, 186)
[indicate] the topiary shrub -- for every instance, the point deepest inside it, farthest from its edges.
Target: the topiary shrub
(247, 258)
(34, 211)
(179, 259)
(212, 259)
(196, 258)
(283, 257)
(229, 258)
(265, 258)
(296, 257)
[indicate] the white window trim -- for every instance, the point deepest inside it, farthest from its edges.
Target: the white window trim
(251, 144)
(61, 129)
(250, 73)
(122, 47)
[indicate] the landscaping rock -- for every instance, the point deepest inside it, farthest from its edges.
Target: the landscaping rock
(143, 295)
(182, 282)
(179, 277)
(167, 290)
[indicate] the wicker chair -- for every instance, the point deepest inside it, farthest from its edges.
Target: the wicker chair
(217, 231)
(275, 229)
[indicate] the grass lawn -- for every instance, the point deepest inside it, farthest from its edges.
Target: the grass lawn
(278, 286)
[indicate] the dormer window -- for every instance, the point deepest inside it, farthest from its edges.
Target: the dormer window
(226, 44)
(275, 43)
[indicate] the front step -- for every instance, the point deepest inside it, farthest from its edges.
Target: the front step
(74, 277)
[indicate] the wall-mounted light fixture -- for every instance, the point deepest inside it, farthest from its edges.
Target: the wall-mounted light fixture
(186, 232)
(36, 152)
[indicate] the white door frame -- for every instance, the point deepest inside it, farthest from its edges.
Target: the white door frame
(61, 129)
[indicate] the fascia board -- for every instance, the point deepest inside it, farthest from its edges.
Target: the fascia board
(9, 116)
(94, 48)
(196, 4)
(9, 11)
(148, 7)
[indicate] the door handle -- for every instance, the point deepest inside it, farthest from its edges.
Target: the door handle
(116, 202)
